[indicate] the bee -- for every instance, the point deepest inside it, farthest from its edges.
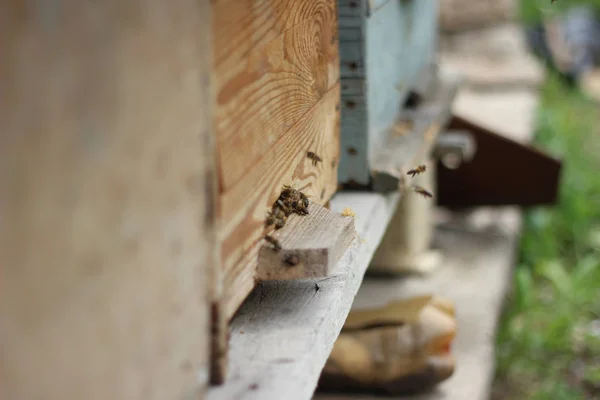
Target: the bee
(290, 202)
(305, 202)
(423, 192)
(289, 192)
(301, 209)
(314, 157)
(274, 242)
(271, 219)
(278, 213)
(282, 208)
(291, 260)
(416, 171)
(280, 223)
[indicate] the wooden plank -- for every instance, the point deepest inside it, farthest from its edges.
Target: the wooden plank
(311, 246)
(283, 334)
(502, 172)
(106, 199)
(265, 83)
(243, 208)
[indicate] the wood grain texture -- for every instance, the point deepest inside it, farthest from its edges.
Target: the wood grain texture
(243, 208)
(311, 246)
(274, 61)
(284, 332)
(106, 199)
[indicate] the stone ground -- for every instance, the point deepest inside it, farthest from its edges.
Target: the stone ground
(501, 94)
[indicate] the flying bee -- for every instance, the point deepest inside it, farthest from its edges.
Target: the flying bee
(423, 192)
(274, 242)
(416, 171)
(314, 157)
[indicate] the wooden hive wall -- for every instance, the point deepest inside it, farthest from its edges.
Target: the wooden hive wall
(106, 199)
(277, 96)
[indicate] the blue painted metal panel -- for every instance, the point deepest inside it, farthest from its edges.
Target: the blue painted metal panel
(383, 46)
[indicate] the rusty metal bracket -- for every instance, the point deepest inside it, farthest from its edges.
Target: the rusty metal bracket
(501, 172)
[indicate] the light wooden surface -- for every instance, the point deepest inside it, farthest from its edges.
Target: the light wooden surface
(106, 208)
(311, 246)
(478, 262)
(282, 336)
(277, 94)
(274, 61)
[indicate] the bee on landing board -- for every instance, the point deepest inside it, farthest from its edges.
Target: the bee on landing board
(274, 242)
(314, 157)
(271, 219)
(416, 171)
(422, 191)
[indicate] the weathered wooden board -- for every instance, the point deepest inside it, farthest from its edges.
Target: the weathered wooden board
(243, 209)
(277, 93)
(383, 46)
(106, 199)
(310, 246)
(277, 97)
(284, 332)
(274, 61)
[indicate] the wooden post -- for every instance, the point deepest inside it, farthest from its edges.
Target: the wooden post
(107, 227)
(405, 246)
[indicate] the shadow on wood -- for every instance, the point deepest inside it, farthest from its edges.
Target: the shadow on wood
(502, 172)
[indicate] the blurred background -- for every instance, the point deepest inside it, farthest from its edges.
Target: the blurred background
(542, 59)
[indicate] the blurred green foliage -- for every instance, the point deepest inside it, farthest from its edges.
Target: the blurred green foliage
(534, 11)
(548, 346)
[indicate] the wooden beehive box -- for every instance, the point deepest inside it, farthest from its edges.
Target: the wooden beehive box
(276, 76)
(386, 46)
(106, 199)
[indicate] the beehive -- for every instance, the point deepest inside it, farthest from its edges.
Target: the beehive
(106, 199)
(276, 77)
(384, 46)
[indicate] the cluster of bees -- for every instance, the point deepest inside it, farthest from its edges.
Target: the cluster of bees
(416, 188)
(290, 201)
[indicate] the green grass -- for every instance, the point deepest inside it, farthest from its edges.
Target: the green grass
(532, 11)
(546, 346)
